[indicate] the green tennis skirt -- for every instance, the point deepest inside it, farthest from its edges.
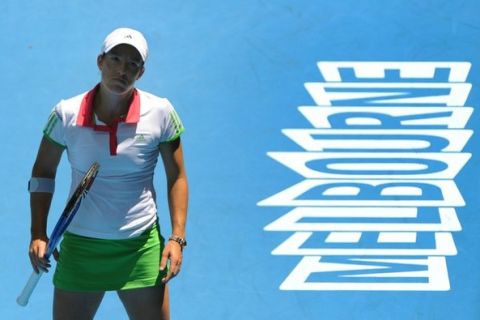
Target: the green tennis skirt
(91, 264)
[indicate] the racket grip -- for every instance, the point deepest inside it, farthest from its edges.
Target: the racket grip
(28, 289)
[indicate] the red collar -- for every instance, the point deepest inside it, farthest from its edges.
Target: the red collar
(85, 116)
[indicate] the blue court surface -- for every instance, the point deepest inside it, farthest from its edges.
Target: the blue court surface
(330, 147)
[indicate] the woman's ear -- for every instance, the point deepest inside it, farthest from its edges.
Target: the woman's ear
(100, 61)
(141, 73)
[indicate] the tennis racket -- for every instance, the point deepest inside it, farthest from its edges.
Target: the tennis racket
(68, 213)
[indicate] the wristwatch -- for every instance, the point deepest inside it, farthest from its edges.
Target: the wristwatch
(181, 241)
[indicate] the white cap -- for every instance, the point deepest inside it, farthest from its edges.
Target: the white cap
(126, 36)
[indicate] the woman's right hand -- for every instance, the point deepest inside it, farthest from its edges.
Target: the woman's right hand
(37, 250)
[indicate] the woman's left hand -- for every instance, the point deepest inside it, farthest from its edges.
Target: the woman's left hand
(172, 254)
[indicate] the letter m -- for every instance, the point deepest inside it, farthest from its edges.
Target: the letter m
(369, 274)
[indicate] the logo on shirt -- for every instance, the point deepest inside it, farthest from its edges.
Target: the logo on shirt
(140, 138)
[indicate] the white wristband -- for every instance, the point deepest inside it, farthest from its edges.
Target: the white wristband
(41, 185)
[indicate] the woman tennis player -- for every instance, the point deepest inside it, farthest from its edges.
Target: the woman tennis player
(114, 242)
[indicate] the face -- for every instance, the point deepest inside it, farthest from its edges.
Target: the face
(120, 68)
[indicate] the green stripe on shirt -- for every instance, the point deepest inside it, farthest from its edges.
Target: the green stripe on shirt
(52, 120)
(176, 122)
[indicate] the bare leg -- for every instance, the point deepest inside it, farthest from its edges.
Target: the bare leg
(166, 305)
(146, 303)
(69, 305)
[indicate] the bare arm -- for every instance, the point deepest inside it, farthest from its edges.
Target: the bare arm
(177, 187)
(45, 166)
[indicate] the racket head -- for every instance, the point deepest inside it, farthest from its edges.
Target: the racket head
(71, 207)
(82, 188)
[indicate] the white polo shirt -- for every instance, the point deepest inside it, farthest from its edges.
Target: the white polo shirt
(121, 203)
